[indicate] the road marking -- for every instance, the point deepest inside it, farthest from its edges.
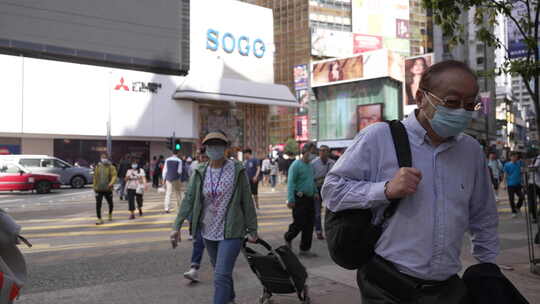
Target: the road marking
(12, 201)
(130, 223)
(125, 231)
(45, 247)
(264, 210)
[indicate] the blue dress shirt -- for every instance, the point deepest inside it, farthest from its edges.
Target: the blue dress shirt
(424, 237)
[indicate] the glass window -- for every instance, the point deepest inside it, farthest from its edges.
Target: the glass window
(47, 163)
(30, 162)
(60, 164)
(9, 168)
(338, 106)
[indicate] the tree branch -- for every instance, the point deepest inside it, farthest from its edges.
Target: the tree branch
(502, 6)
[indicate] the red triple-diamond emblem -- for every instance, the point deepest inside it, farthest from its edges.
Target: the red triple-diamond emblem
(121, 85)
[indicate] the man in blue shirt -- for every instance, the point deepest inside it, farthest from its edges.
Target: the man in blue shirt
(253, 171)
(513, 182)
(445, 194)
(302, 193)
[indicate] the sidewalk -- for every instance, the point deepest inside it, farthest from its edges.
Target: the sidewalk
(514, 253)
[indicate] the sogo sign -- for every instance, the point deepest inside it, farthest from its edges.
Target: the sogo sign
(229, 43)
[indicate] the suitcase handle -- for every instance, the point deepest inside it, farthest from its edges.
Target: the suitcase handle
(259, 242)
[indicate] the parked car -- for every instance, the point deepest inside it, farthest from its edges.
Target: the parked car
(15, 177)
(77, 177)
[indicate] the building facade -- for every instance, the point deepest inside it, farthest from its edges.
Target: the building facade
(66, 108)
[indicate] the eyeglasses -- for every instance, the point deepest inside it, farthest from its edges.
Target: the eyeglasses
(470, 104)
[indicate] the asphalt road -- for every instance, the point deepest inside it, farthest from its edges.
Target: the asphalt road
(131, 261)
(26, 199)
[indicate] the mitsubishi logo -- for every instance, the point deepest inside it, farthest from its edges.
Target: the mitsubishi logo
(138, 86)
(121, 85)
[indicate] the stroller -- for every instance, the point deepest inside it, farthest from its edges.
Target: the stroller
(279, 271)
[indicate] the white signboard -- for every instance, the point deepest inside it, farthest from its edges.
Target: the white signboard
(232, 39)
(329, 43)
(73, 99)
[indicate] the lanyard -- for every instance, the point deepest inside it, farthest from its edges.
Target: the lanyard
(214, 187)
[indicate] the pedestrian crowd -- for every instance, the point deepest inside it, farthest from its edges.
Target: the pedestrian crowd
(419, 203)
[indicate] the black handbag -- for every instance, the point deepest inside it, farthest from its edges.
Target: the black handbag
(350, 235)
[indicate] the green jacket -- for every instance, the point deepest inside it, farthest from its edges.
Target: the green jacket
(240, 218)
(104, 178)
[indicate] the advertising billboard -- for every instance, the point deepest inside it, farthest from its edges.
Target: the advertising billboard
(301, 128)
(328, 43)
(516, 44)
(142, 35)
(303, 99)
(335, 70)
(388, 19)
(368, 114)
(301, 77)
(365, 43)
(414, 67)
(373, 64)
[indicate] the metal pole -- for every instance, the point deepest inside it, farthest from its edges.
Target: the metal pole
(486, 117)
(109, 138)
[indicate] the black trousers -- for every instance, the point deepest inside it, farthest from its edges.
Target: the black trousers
(303, 218)
(453, 291)
(99, 201)
(131, 196)
(156, 178)
(512, 191)
(532, 199)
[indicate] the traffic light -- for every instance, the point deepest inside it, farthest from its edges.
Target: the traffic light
(177, 145)
(170, 143)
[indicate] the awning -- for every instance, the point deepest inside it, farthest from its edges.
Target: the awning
(235, 90)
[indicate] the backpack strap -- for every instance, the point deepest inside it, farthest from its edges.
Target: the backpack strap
(404, 158)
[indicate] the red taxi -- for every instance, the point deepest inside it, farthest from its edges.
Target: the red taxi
(16, 178)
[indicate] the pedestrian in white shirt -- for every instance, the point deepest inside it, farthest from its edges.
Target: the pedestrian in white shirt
(172, 171)
(135, 185)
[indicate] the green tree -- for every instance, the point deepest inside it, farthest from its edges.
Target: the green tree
(523, 15)
(291, 147)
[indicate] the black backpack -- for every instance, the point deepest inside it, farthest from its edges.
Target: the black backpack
(184, 177)
(350, 235)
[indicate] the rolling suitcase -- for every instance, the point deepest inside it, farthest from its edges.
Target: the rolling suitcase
(279, 271)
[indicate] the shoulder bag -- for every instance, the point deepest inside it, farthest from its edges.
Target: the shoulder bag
(350, 234)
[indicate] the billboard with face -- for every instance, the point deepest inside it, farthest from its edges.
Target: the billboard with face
(414, 68)
(329, 71)
(368, 115)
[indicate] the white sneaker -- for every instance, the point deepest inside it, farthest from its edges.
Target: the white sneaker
(190, 237)
(192, 275)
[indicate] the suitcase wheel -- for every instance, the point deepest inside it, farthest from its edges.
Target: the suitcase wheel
(305, 295)
(265, 298)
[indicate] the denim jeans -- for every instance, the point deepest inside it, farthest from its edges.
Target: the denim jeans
(223, 255)
(198, 250)
(122, 189)
(273, 180)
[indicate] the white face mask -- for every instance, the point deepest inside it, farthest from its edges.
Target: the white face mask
(104, 161)
(134, 166)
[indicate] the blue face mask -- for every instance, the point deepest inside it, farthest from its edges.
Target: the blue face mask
(215, 152)
(448, 122)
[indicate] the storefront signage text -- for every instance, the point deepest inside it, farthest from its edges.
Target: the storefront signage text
(138, 86)
(229, 43)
